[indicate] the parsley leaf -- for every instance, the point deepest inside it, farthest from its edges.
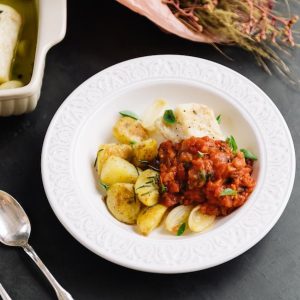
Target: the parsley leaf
(200, 154)
(104, 186)
(203, 175)
(181, 229)
(232, 144)
(95, 163)
(228, 192)
(130, 114)
(163, 188)
(218, 118)
(169, 116)
(248, 154)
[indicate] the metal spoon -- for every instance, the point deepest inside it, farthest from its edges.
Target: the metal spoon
(3, 293)
(15, 231)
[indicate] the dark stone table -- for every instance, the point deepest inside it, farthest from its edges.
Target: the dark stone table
(96, 39)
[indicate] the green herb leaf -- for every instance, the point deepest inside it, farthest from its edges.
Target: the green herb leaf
(200, 154)
(228, 192)
(144, 194)
(104, 186)
(147, 163)
(144, 161)
(181, 229)
(150, 181)
(137, 170)
(203, 175)
(248, 154)
(218, 118)
(130, 114)
(153, 168)
(153, 179)
(232, 144)
(163, 188)
(132, 142)
(95, 163)
(209, 175)
(143, 186)
(169, 116)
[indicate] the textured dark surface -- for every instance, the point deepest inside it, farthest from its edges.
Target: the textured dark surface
(95, 40)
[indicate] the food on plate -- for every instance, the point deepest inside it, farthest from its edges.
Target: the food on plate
(144, 151)
(128, 130)
(190, 119)
(192, 177)
(116, 169)
(207, 171)
(146, 187)
(198, 221)
(18, 33)
(151, 115)
(150, 218)
(122, 203)
(107, 150)
(177, 217)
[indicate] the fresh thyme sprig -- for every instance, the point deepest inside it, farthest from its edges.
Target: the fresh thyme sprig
(147, 164)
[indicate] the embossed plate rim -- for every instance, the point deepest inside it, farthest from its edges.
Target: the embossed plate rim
(159, 263)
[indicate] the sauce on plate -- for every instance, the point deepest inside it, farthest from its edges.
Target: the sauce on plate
(204, 171)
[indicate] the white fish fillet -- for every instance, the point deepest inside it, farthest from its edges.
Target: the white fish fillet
(192, 119)
(10, 24)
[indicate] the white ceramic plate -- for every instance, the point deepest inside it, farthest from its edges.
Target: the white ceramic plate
(85, 120)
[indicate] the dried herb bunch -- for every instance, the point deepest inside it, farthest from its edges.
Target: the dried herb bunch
(251, 24)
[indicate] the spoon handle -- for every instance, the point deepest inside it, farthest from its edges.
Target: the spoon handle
(61, 293)
(3, 293)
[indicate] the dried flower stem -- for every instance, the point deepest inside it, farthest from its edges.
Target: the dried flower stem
(250, 24)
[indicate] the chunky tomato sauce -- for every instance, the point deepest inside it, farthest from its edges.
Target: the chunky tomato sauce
(204, 171)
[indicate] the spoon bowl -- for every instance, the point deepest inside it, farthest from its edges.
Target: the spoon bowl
(15, 226)
(15, 230)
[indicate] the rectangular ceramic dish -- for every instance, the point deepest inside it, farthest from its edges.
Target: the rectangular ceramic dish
(52, 17)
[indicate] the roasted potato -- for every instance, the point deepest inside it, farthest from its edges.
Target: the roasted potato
(144, 151)
(122, 203)
(107, 150)
(150, 218)
(129, 131)
(117, 169)
(146, 187)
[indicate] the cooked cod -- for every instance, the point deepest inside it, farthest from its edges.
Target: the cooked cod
(192, 119)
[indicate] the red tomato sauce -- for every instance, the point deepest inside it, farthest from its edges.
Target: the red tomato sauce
(202, 171)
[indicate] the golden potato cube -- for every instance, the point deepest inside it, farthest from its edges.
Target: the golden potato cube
(122, 203)
(117, 169)
(129, 131)
(144, 151)
(146, 187)
(150, 218)
(107, 150)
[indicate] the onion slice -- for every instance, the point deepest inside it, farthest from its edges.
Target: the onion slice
(176, 217)
(152, 114)
(198, 222)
